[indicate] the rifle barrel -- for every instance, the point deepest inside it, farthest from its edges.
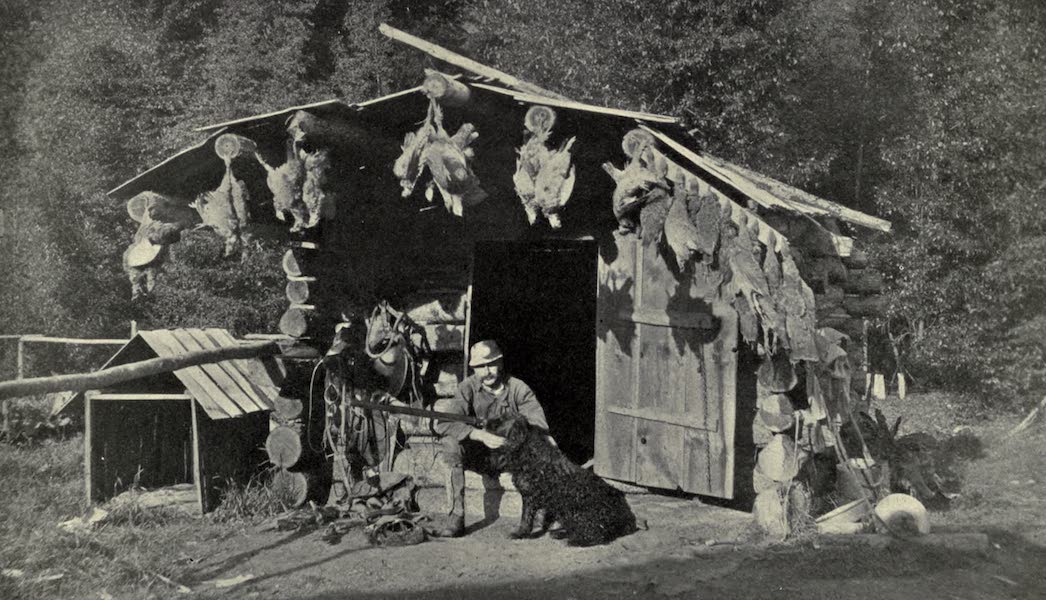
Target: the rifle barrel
(418, 412)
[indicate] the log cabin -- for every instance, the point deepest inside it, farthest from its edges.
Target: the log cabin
(639, 284)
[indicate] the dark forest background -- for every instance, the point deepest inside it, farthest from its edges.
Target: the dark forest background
(928, 113)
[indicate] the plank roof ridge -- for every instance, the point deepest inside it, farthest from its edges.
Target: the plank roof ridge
(167, 160)
(463, 62)
(274, 113)
(575, 105)
(801, 196)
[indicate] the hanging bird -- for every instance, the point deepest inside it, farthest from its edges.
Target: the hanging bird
(706, 215)
(544, 178)
(532, 155)
(680, 233)
(224, 210)
(636, 186)
(408, 166)
(285, 182)
(319, 204)
(447, 158)
(161, 221)
(554, 184)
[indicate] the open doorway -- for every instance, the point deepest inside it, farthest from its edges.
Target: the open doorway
(538, 301)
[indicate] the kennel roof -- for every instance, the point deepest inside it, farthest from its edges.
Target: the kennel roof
(226, 389)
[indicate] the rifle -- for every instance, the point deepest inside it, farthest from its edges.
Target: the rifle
(419, 412)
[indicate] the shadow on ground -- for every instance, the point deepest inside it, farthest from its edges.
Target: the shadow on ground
(486, 566)
(836, 573)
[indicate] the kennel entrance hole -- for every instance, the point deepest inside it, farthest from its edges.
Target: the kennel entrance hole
(538, 301)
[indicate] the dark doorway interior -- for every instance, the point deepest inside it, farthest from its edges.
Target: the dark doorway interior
(144, 442)
(538, 301)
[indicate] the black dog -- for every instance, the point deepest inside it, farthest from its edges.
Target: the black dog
(589, 510)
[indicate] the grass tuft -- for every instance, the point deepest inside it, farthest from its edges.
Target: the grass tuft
(257, 499)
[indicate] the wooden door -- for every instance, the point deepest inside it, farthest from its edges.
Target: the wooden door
(666, 368)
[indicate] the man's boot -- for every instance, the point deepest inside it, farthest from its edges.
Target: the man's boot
(456, 498)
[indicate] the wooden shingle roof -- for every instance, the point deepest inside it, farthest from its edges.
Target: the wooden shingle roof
(230, 388)
(226, 389)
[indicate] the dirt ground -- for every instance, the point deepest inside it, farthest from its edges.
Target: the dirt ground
(691, 550)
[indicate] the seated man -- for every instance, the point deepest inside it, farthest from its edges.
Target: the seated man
(488, 393)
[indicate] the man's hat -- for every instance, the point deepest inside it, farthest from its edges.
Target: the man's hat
(483, 353)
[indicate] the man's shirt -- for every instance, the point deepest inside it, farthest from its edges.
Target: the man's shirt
(472, 399)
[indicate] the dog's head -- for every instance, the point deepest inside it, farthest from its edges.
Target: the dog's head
(514, 428)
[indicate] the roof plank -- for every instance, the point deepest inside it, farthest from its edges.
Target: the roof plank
(178, 165)
(798, 197)
(199, 384)
(254, 370)
(219, 372)
(463, 62)
(581, 106)
(762, 192)
(261, 392)
(269, 115)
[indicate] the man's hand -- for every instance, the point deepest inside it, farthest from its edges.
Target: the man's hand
(487, 439)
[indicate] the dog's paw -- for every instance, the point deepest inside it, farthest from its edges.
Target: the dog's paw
(518, 534)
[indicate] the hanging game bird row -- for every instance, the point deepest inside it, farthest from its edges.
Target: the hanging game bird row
(702, 230)
(653, 198)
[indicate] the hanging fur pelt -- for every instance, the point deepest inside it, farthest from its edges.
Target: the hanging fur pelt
(447, 159)
(544, 178)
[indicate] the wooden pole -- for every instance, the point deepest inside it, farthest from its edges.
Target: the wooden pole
(21, 358)
(443, 89)
(465, 63)
(88, 448)
(197, 464)
(79, 382)
(43, 339)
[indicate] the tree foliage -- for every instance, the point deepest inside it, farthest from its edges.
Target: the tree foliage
(925, 112)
